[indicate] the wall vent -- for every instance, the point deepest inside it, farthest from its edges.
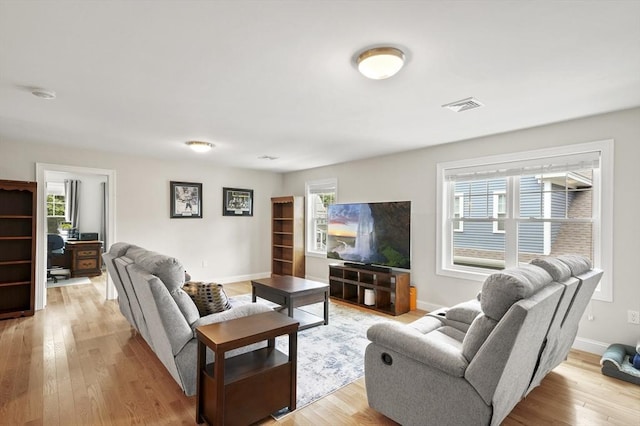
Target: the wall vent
(463, 105)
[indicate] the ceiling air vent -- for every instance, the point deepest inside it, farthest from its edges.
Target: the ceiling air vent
(463, 105)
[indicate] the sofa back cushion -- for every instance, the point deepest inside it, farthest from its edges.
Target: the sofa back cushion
(478, 332)
(171, 272)
(119, 249)
(558, 270)
(502, 289)
(578, 264)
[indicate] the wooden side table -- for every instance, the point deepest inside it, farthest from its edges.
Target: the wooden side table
(245, 388)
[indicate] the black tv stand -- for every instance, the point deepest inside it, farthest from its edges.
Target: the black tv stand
(368, 267)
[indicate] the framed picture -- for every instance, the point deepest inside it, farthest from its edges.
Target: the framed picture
(186, 200)
(237, 202)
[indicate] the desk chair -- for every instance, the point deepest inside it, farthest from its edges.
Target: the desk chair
(55, 248)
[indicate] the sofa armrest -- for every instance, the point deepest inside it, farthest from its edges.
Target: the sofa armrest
(238, 311)
(432, 348)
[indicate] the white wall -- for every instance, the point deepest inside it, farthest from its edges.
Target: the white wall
(412, 176)
(232, 248)
(238, 247)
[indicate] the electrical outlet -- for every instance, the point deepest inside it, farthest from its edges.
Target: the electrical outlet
(633, 317)
(205, 264)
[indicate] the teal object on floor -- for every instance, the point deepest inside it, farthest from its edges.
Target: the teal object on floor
(618, 362)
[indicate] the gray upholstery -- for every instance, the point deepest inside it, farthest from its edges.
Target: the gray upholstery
(134, 300)
(471, 364)
(580, 288)
(502, 289)
(151, 298)
(464, 312)
(549, 357)
(124, 303)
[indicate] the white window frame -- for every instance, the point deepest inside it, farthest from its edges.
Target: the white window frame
(496, 213)
(311, 187)
(460, 197)
(602, 213)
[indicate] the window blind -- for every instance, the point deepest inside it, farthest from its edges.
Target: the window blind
(556, 164)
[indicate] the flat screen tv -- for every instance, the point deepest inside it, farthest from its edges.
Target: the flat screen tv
(370, 233)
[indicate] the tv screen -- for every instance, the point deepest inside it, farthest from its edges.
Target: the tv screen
(370, 233)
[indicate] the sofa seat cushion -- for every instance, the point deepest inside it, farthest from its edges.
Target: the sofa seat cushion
(210, 298)
(502, 289)
(237, 311)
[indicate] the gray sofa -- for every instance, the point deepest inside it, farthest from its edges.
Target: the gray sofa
(151, 298)
(472, 363)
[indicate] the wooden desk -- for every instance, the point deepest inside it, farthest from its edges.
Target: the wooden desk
(245, 388)
(86, 258)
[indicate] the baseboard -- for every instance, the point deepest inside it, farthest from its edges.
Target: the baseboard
(588, 345)
(429, 307)
(319, 279)
(239, 278)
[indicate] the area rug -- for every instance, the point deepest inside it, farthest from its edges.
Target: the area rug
(331, 356)
(70, 281)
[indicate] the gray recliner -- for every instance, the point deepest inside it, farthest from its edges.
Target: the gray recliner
(151, 298)
(472, 365)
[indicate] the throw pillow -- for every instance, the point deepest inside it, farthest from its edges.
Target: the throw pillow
(209, 298)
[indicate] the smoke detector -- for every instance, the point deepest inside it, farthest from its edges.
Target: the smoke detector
(463, 105)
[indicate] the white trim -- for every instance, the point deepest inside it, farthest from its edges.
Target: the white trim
(41, 248)
(319, 279)
(239, 278)
(602, 210)
(603, 203)
(546, 226)
(591, 346)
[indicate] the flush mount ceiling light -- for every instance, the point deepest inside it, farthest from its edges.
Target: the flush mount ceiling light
(43, 93)
(380, 62)
(199, 146)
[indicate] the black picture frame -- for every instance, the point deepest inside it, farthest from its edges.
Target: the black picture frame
(186, 200)
(237, 202)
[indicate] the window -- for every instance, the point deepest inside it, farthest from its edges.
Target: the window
(55, 199)
(55, 205)
(320, 194)
(517, 207)
(499, 211)
(458, 212)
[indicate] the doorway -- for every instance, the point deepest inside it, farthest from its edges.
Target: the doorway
(45, 172)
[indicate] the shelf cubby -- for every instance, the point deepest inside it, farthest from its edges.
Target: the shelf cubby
(287, 236)
(17, 248)
(391, 289)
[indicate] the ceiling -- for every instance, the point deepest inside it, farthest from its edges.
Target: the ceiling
(278, 78)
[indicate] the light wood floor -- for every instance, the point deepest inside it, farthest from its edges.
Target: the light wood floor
(78, 363)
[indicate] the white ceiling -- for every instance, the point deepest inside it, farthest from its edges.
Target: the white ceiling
(278, 78)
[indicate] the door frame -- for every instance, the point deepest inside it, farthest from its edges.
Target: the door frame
(41, 248)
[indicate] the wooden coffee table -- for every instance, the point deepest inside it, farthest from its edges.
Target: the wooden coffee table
(243, 389)
(291, 293)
